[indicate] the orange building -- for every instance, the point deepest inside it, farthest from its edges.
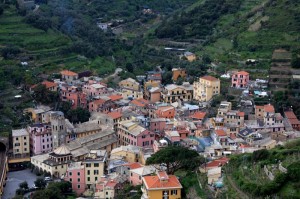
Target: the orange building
(178, 72)
(165, 112)
(161, 186)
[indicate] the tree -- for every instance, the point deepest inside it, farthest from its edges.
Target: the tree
(43, 95)
(40, 183)
(176, 157)
(55, 190)
(24, 185)
(78, 115)
(294, 171)
(260, 155)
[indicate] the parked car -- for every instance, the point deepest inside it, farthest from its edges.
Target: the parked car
(48, 178)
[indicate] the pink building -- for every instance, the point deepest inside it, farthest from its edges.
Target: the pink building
(159, 125)
(173, 136)
(240, 79)
(131, 133)
(72, 95)
(76, 175)
(136, 175)
(40, 138)
(95, 89)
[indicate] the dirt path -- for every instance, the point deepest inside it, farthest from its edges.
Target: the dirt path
(240, 192)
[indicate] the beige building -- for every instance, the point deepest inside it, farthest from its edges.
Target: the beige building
(129, 93)
(20, 139)
(172, 93)
(94, 166)
(205, 88)
(129, 83)
(129, 153)
(55, 163)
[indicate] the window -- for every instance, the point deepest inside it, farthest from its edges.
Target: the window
(88, 178)
(25, 149)
(24, 138)
(17, 138)
(88, 165)
(78, 186)
(88, 172)
(78, 173)
(96, 178)
(107, 193)
(70, 173)
(173, 192)
(17, 144)
(96, 172)
(78, 179)
(96, 164)
(25, 143)
(70, 179)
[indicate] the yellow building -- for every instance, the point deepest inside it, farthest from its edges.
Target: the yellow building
(94, 166)
(130, 153)
(205, 88)
(129, 83)
(161, 186)
(21, 144)
(129, 93)
(172, 93)
(190, 56)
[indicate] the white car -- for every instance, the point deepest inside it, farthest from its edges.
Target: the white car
(34, 187)
(48, 178)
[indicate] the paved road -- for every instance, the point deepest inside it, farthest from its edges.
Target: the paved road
(14, 179)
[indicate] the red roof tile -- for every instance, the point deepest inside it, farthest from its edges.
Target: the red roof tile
(68, 73)
(242, 73)
(47, 84)
(140, 102)
(241, 114)
(221, 132)
(153, 182)
(114, 115)
(269, 108)
(198, 115)
(218, 162)
(209, 78)
(115, 97)
(133, 165)
(290, 115)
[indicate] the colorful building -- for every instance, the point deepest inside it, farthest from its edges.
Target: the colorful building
(76, 176)
(178, 73)
(69, 76)
(161, 186)
(40, 138)
(167, 112)
(205, 88)
(240, 79)
(136, 175)
(172, 93)
(20, 138)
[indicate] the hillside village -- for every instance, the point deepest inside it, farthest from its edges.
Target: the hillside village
(140, 117)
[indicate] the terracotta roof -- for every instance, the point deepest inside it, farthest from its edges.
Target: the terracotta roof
(98, 101)
(133, 165)
(290, 115)
(154, 182)
(114, 115)
(218, 162)
(46, 83)
(209, 78)
(259, 107)
(269, 108)
(241, 114)
(68, 73)
(140, 102)
(294, 121)
(221, 132)
(115, 97)
(242, 73)
(198, 115)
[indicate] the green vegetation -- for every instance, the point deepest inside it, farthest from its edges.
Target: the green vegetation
(248, 172)
(175, 158)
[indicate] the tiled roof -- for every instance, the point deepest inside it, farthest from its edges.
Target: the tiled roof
(114, 115)
(140, 102)
(68, 73)
(209, 78)
(290, 115)
(241, 114)
(198, 115)
(219, 162)
(133, 165)
(220, 132)
(47, 84)
(115, 97)
(242, 73)
(153, 182)
(269, 108)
